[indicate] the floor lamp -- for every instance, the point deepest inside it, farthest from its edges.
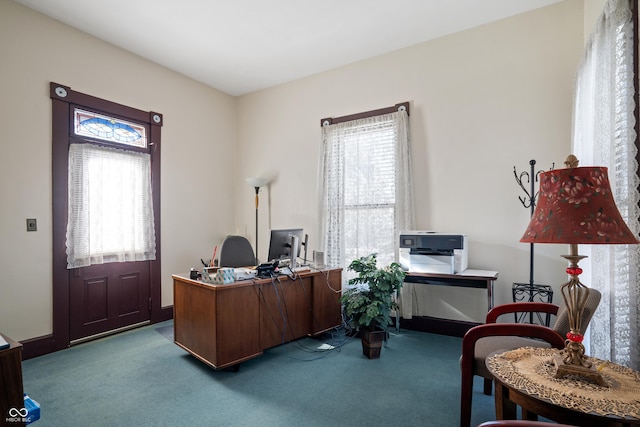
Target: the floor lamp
(257, 183)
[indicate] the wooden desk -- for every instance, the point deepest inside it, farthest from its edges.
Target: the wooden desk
(11, 388)
(525, 377)
(224, 325)
(480, 279)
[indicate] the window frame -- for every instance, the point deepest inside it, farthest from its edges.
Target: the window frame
(362, 206)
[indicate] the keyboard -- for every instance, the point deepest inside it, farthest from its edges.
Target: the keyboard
(289, 271)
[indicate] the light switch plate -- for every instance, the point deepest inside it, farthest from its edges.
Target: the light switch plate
(32, 224)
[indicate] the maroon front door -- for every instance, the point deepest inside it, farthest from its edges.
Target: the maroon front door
(99, 298)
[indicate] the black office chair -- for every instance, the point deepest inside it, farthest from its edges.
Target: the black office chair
(236, 251)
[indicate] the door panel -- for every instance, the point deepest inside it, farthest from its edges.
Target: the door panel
(129, 295)
(94, 298)
(108, 296)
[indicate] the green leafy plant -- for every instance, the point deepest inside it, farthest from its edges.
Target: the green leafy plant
(368, 301)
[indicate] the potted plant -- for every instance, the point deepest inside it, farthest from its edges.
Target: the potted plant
(369, 299)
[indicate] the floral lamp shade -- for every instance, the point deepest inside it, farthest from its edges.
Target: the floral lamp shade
(575, 206)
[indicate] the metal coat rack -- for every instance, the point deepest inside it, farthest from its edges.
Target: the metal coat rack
(530, 291)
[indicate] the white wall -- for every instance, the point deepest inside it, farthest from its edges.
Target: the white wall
(198, 154)
(482, 101)
(592, 11)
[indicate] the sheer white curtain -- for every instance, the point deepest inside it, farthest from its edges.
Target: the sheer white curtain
(604, 135)
(365, 180)
(110, 208)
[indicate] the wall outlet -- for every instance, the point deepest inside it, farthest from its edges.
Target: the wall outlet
(32, 224)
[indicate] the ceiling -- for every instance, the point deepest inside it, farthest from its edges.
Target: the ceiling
(241, 46)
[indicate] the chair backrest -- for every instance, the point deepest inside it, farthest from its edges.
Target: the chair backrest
(236, 251)
(562, 320)
(521, 423)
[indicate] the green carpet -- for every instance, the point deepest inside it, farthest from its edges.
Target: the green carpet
(141, 378)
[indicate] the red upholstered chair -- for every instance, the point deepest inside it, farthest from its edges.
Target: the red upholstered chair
(521, 423)
(483, 340)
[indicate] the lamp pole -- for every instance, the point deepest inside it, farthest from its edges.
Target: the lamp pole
(257, 198)
(256, 183)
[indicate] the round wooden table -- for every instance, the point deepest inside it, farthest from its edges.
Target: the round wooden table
(526, 377)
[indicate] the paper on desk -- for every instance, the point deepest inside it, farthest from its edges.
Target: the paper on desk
(3, 343)
(478, 273)
(245, 273)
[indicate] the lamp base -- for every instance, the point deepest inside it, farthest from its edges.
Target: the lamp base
(563, 369)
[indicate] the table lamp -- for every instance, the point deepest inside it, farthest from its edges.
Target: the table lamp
(575, 206)
(257, 183)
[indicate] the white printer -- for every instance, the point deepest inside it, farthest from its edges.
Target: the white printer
(433, 252)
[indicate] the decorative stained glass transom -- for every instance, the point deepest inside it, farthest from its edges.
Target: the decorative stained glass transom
(110, 129)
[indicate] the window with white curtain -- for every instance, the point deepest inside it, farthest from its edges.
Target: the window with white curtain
(365, 187)
(110, 207)
(604, 135)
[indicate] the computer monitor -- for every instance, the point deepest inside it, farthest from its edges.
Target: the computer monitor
(281, 242)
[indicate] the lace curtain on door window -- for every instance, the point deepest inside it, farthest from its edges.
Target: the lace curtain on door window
(110, 211)
(365, 188)
(604, 135)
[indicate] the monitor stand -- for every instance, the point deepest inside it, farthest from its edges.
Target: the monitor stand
(294, 252)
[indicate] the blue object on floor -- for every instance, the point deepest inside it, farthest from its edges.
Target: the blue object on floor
(33, 409)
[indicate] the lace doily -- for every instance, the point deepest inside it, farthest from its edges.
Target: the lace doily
(531, 370)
